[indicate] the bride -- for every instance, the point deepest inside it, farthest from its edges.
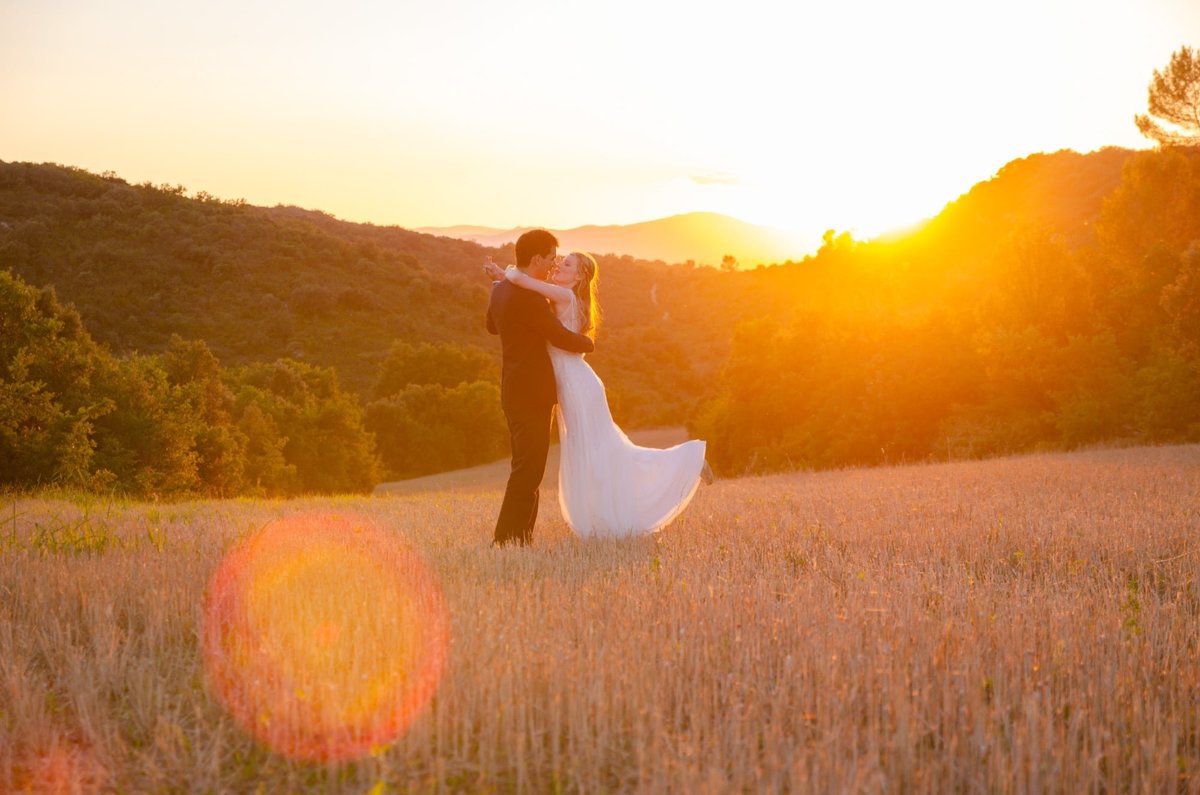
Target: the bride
(607, 485)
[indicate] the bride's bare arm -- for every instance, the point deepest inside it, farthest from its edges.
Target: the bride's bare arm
(559, 295)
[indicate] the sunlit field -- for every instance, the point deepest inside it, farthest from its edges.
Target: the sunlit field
(1017, 625)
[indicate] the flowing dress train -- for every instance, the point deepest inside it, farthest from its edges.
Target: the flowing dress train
(607, 485)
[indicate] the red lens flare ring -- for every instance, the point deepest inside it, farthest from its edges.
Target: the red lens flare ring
(324, 636)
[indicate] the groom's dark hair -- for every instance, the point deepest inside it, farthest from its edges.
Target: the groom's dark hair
(534, 243)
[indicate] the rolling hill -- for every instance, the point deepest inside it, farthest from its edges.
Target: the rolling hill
(141, 263)
(703, 238)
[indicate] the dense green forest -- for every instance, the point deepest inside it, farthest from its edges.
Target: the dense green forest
(190, 344)
(168, 423)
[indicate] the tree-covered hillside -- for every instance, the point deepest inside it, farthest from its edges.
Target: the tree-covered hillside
(141, 263)
(1054, 306)
(1049, 305)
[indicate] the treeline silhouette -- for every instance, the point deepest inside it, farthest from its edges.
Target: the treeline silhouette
(277, 351)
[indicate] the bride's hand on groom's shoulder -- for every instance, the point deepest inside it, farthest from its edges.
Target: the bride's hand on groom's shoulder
(511, 273)
(494, 271)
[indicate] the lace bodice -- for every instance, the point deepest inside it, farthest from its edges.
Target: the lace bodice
(569, 315)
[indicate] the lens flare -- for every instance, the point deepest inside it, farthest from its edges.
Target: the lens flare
(324, 636)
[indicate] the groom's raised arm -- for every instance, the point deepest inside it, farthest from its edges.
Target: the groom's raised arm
(543, 322)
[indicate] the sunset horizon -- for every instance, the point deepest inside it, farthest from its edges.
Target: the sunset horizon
(435, 118)
(784, 244)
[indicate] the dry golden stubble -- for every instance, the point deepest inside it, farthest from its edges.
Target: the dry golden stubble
(1006, 625)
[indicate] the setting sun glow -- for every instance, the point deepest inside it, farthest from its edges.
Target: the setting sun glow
(858, 116)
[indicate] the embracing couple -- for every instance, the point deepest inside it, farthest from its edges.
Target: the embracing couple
(607, 486)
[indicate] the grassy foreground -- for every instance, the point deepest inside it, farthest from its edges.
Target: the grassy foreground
(1017, 625)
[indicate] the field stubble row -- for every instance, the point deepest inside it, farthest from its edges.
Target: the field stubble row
(1015, 625)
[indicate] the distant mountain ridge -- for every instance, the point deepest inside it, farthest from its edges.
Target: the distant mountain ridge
(701, 237)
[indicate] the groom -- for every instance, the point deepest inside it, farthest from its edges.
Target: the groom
(525, 323)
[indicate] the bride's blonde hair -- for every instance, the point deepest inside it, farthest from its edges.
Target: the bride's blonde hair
(586, 292)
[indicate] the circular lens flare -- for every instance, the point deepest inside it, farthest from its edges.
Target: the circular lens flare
(324, 636)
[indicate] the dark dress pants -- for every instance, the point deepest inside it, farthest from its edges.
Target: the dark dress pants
(529, 430)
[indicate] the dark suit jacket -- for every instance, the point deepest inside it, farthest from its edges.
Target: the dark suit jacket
(525, 323)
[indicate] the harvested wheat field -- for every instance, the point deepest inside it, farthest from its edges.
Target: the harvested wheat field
(1028, 624)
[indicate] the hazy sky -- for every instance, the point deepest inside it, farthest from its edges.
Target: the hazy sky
(807, 115)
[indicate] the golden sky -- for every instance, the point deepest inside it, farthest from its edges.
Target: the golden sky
(859, 115)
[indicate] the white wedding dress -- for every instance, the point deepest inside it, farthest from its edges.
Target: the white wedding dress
(607, 485)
